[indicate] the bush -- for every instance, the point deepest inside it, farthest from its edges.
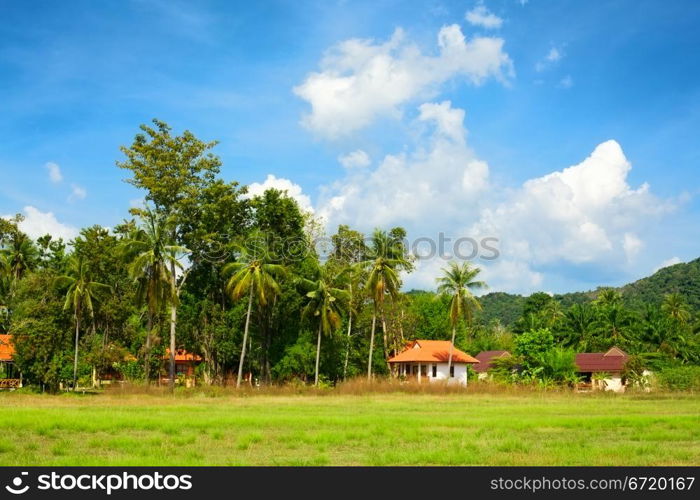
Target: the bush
(680, 378)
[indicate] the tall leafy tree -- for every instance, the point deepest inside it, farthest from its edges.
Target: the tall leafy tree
(324, 306)
(174, 170)
(253, 275)
(457, 283)
(81, 292)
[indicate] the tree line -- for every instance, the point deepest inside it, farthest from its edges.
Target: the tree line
(237, 279)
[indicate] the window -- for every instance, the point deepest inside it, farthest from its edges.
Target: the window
(423, 370)
(434, 371)
(452, 371)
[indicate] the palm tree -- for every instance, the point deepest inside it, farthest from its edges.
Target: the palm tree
(456, 283)
(255, 276)
(579, 322)
(324, 304)
(675, 307)
(80, 294)
(20, 255)
(608, 297)
(614, 321)
(383, 279)
(152, 253)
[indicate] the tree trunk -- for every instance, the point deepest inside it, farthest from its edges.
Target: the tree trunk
(386, 345)
(371, 347)
(149, 328)
(347, 351)
(75, 358)
(449, 358)
(245, 338)
(318, 352)
(173, 323)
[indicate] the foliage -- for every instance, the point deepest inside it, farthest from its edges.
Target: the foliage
(684, 378)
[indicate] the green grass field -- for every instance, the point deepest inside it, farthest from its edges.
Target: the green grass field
(374, 429)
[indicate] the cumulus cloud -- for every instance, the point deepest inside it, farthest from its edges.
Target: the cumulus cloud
(293, 190)
(55, 174)
(356, 159)
(428, 187)
(584, 214)
(360, 80)
(483, 17)
(37, 223)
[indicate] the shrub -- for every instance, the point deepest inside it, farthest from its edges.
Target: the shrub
(680, 378)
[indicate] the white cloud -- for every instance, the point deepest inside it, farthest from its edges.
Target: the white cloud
(481, 16)
(356, 159)
(37, 223)
(668, 262)
(553, 56)
(54, 172)
(293, 190)
(77, 193)
(428, 187)
(361, 80)
(584, 214)
(631, 244)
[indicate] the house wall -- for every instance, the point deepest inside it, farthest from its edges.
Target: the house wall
(614, 384)
(460, 370)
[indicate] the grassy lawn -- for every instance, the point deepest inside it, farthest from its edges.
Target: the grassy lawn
(375, 429)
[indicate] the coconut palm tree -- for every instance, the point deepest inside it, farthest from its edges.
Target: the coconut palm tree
(80, 294)
(457, 282)
(382, 280)
(324, 305)
(152, 254)
(675, 307)
(20, 255)
(608, 297)
(254, 275)
(579, 323)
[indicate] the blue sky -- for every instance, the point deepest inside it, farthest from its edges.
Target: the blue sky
(478, 107)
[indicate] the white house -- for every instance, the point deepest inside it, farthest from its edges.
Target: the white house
(428, 359)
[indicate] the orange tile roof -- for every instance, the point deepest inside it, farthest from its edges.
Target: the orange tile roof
(7, 348)
(432, 351)
(182, 355)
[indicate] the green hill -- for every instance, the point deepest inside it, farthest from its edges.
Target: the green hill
(681, 278)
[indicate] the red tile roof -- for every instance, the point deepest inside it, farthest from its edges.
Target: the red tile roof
(486, 358)
(612, 361)
(182, 355)
(432, 351)
(7, 348)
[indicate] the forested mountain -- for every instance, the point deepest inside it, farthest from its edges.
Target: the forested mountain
(681, 278)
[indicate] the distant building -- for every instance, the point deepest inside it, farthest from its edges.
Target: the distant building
(10, 376)
(603, 370)
(185, 365)
(486, 359)
(428, 359)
